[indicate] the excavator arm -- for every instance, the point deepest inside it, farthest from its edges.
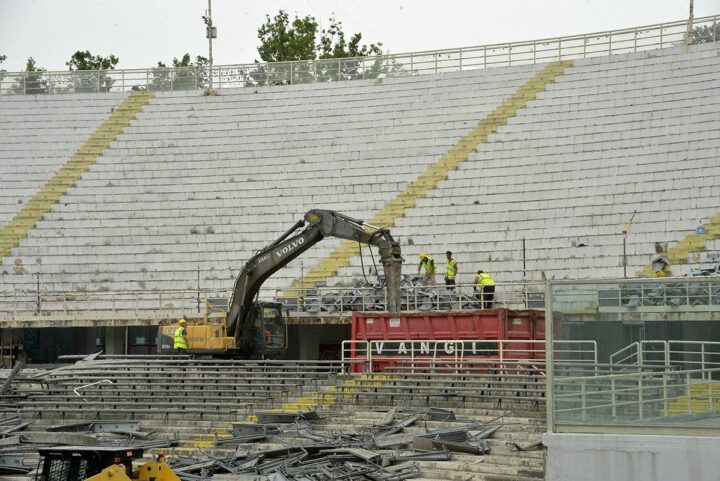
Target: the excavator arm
(317, 224)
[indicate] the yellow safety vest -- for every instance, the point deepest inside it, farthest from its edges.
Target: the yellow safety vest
(180, 341)
(429, 265)
(485, 279)
(450, 269)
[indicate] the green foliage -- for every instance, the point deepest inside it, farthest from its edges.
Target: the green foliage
(706, 34)
(34, 81)
(284, 41)
(332, 43)
(86, 61)
(184, 74)
(31, 66)
(281, 41)
(92, 71)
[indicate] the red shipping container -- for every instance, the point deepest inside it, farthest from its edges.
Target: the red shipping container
(519, 329)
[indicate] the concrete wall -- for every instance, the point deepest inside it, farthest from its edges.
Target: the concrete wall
(598, 457)
(312, 342)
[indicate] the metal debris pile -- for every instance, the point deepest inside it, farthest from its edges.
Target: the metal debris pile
(366, 296)
(19, 448)
(385, 453)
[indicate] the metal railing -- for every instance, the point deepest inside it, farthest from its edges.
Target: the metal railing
(667, 293)
(143, 306)
(458, 355)
(701, 355)
(110, 306)
(700, 293)
(338, 299)
(472, 381)
(628, 398)
(628, 355)
(629, 40)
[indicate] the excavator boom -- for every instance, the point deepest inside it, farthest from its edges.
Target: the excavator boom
(317, 224)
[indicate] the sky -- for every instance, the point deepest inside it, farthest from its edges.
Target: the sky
(143, 32)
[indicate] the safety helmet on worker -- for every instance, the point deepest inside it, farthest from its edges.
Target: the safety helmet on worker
(182, 321)
(423, 255)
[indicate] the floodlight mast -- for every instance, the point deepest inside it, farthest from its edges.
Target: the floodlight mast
(210, 33)
(691, 19)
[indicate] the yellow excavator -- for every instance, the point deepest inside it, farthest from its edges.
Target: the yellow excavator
(256, 329)
(93, 463)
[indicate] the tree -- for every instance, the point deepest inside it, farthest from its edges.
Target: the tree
(332, 43)
(281, 42)
(2, 71)
(33, 81)
(98, 81)
(706, 34)
(184, 75)
(86, 61)
(301, 39)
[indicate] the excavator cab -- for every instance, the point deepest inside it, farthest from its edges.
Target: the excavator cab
(270, 328)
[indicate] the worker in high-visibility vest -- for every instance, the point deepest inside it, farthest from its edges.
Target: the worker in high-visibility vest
(451, 269)
(428, 264)
(485, 287)
(180, 345)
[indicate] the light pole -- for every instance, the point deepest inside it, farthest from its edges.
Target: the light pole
(689, 36)
(210, 34)
(625, 232)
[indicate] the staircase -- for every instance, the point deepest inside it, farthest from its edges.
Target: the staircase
(200, 401)
(437, 172)
(702, 396)
(68, 175)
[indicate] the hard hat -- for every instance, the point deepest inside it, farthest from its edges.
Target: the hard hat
(659, 274)
(423, 255)
(183, 321)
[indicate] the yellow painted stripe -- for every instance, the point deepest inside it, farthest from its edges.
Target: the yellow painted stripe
(691, 244)
(703, 396)
(429, 180)
(17, 229)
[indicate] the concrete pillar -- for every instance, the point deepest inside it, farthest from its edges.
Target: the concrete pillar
(115, 340)
(309, 342)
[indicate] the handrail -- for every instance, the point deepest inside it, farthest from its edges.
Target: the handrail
(457, 353)
(671, 352)
(654, 391)
(609, 42)
(20, 306)
(436, 297)
(633, 348)
(29, 305)
(33, 306)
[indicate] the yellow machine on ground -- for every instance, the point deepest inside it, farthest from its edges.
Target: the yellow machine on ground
(205, 336)
(94, 463)
(257, 329)
(210, 335)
